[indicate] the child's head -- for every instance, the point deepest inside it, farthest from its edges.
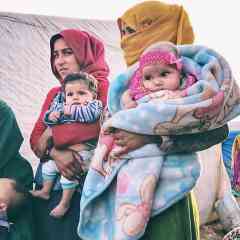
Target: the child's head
(79, 88)
(13, 197)
(160, 67)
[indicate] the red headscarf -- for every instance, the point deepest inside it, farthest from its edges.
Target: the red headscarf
(89, 52)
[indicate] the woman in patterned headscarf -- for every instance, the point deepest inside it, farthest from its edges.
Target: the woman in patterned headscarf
(141, 26)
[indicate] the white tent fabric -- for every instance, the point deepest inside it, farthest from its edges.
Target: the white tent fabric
(26, 77)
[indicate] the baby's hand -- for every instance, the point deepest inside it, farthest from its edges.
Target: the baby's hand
(130, 104)
(54, 116)
(175, 94)
(127, 100)
(165, 95)
(67, 109)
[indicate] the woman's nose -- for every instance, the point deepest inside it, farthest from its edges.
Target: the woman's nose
(60, 60)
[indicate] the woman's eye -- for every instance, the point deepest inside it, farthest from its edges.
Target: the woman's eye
(127, 31)
(67, 51)
(130, 30)
(55, 55)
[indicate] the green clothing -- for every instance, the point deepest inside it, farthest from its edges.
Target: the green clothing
(178, 222)
(13, 165)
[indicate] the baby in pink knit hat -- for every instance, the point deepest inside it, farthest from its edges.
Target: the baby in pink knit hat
(159, 75)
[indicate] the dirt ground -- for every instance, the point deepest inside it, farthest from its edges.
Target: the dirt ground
(212, 231)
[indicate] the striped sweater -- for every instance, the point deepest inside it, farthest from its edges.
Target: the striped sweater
(85, 114)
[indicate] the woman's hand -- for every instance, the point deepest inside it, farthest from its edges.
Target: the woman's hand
(41, 146)
(68, 162)
(129, 140)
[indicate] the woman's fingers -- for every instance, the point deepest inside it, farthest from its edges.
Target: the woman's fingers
(67, 163)
(130, 140)
(77, 164)
(67, 173)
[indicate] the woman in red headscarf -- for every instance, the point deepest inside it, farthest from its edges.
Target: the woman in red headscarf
(71, 51)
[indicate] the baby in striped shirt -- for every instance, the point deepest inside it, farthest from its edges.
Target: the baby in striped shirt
(77, 102)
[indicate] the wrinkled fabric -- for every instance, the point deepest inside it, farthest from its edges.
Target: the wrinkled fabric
(142, 184)
(154, 21)
(208, 104)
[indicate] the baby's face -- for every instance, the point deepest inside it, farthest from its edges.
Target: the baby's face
(160, 76)
(7, 191)
(77, 92)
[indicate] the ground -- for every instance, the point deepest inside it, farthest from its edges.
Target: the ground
(212, 231)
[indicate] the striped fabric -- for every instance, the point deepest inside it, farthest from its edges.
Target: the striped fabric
(85, 114)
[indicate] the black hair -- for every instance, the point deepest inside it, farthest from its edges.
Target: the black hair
(84, 77)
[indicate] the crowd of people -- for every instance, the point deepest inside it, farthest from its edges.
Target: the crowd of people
(81, 144)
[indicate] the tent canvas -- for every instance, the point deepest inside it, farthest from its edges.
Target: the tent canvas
(26, 77)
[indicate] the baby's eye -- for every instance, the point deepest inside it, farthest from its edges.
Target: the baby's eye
(81, 93)
(164, 74)
(69, 94)
(147, 77)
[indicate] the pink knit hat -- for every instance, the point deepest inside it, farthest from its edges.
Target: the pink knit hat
(160, 56)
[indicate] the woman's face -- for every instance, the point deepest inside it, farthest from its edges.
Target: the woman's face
(65, 61)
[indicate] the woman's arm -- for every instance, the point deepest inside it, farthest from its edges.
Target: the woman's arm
(181, 143)
(198, 141)
(37, 143)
